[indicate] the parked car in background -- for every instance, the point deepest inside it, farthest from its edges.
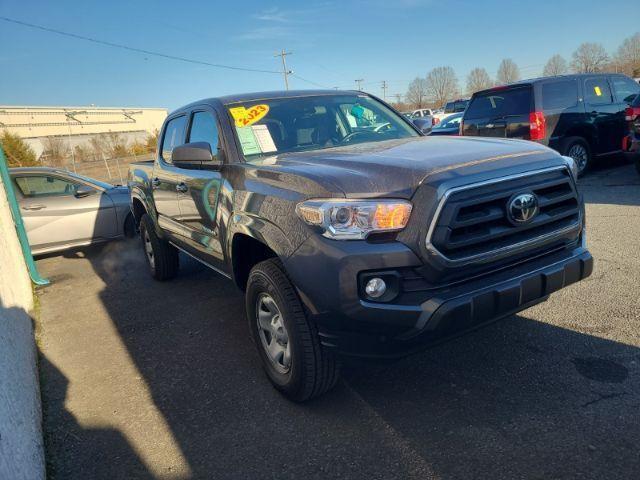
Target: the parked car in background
(455, 106)
(422, 112)
(61, 210)
(352, 239)
(581, 116)
(449, 126)
(631, 143)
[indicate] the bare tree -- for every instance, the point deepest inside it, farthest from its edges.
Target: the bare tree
(508, 72)
(417, 93)
(442, 85)
(55, 150)
(628, 56)
(478, 79)
(589, 58)
(556, 65)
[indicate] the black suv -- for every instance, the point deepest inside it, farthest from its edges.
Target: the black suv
(581, 116)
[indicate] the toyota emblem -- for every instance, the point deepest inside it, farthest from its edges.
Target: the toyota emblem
(522, 208)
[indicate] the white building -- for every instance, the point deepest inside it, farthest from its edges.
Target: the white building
(77, 125)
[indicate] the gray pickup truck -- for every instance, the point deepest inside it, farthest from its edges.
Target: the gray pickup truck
(349, 231)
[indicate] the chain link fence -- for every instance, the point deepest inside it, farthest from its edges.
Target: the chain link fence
(111, 170)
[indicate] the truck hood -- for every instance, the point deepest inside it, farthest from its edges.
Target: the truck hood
(395, 168)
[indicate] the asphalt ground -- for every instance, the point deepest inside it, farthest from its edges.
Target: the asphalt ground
(142, 379)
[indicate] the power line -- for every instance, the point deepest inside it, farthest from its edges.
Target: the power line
(133, 49)
(309, 81)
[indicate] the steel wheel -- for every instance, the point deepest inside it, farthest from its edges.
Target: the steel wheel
(580, 154)
(148, 249)
(273, 333)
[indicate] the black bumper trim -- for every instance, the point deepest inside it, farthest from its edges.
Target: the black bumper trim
(442, 318)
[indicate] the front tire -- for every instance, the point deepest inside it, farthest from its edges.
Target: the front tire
(578, 149)
(287, 341)
(162, 257)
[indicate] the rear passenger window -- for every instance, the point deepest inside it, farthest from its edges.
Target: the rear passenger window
(625, 89)
(558, 95)
(597, 91)
(173, 137)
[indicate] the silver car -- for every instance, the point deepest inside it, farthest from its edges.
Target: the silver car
(62, 210)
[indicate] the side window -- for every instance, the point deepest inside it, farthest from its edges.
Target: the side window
(597, 91)
(625, 89)
(204, 129)
(173, 137)
(44, 186)
(560, 94)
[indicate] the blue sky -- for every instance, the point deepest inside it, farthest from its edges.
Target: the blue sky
(333, 43)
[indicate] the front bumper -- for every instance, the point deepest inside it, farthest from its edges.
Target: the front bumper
(327, 281)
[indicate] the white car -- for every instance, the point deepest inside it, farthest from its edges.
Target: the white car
(422, 112)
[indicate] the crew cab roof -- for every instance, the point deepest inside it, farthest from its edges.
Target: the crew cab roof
(251, 97)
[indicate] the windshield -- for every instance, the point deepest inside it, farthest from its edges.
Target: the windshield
(283, 125)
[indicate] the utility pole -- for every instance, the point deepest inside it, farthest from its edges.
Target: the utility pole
(359, 83)
(398, 97)
(384, 89)
(285, 72)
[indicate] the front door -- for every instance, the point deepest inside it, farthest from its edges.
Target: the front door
(199, 198)
(56, 215)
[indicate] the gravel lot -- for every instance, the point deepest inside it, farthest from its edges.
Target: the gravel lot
(149, 380)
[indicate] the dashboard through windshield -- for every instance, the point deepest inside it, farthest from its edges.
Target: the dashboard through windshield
(283, 125)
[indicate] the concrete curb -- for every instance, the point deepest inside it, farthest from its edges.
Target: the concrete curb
(21, 445)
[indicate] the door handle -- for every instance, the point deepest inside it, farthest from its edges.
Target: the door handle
(34, 206)
(182, 187)
(155, 182)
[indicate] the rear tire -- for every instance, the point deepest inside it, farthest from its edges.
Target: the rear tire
(294, 360)
(578, 149)
(162, 257)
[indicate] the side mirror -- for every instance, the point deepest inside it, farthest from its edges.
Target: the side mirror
(194, 155)
(84, 191)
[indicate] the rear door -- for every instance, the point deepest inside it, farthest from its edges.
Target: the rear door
(602, 112)
(559, 100)
(500, 112)
(166, 177)
(54, 217)
(199, 199)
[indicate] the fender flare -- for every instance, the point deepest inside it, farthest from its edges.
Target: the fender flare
(261, 230)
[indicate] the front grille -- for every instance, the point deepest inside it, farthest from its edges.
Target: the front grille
(473, 221)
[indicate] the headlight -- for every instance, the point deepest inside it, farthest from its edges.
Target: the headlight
(573, 166)
(342, 219)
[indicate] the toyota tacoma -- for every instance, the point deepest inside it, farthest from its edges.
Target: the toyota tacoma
(349, 231)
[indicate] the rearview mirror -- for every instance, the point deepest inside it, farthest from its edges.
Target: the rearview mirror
(194, 155)
(84, 191)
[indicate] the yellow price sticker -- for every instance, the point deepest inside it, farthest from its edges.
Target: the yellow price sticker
(248, 116)
(598, 91)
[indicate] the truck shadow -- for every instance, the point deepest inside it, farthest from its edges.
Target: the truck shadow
(519, 398)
